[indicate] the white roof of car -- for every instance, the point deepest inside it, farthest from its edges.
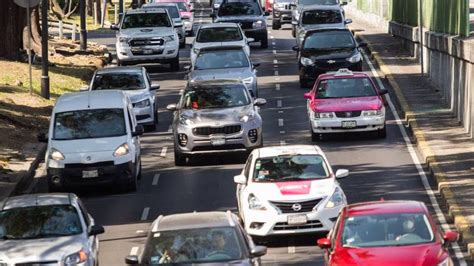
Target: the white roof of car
(145, 10)
(288, 150)
(218, 25)
(322, 7)
(43, 199)
(96, 99)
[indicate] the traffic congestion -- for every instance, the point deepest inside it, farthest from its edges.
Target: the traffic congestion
(228, 132)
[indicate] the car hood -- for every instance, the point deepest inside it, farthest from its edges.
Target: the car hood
(223, 73)
(136, 95)
(37, 250)
(238, 19)
(328, 54)
(200, 45)
(347, 104)
(293, 190)
(415, 255)
(216, 117)
(146, 32)
(88, 145)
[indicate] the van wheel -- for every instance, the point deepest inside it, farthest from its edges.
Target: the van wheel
(382, 133)
(174, 64)
(179, 158)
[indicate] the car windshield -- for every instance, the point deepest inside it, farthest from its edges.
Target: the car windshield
(202, 245)
(400, 229)
(119, 81)
(216, 97)
(85, 124)
(321, 17)
(318, 2)
(219, 59)
(345, 88)
(290, 168)
(329, 40)
(172, 10)
(145, 20)
(220, 34)
(39, 222)
(239, 9)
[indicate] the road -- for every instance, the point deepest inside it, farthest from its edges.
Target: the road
(379, 167)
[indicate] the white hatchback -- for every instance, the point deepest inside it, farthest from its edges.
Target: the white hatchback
(289, 190)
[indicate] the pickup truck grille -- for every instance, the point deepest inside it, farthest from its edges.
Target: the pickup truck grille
(206, 131)
(146, 42)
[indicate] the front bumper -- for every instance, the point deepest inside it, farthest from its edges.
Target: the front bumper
(257, 34)
(334, 125)
(311, 73)
(145, 115)
(284, 16)
(159, 53)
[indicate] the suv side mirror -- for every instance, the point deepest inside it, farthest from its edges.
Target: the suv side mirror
(342, 173)
(84, 88)
(154, 87)
(240, 179)
(255, 65)
(348, 21)
(249, 40)
(187, 68)
(383, 91)
(294, 23)
(114, 27)
(42, 138)
(96, 230)
(139, 130)
(450, 236)
(259, 102)
(343, 3)
(324, 243)
(307, 95)
(292, 5)
(171, 107)
(131, 260)
(258, 251)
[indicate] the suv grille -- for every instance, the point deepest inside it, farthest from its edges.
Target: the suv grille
(287, 207)
(206, 131)
(348, 114)
(146, 41)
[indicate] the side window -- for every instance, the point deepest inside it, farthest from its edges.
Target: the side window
(148, 79)
(248, 164)
(84, 213)
(130, 120)
(334, 231)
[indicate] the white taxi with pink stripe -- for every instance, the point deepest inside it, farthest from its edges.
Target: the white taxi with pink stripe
(288, 190)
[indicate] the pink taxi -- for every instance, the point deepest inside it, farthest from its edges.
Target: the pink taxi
(345, 101)
(186, 11)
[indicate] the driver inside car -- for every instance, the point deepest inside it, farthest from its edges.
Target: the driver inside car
(408, 229)
(220, 246)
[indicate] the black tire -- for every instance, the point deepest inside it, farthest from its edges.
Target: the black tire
(131, 185)
(314, 136)
(182, 45)
(276, 25)
(139, 176)
(179, 158)
(264, 42)
(293, 31)
(174, 64)
(382, 133)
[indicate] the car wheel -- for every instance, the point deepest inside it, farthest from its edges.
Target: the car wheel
(179, 158)
(382, 133)
(174, 65)
(276, 25)
(314, 136)
(139, 176)
(182, 44)
(293, 31)
(264, 42)
(53, 188)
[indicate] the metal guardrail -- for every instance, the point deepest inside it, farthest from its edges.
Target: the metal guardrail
(61, 27)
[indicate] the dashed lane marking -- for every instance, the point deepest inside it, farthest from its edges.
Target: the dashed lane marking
(163, 151)
(156, 178)
(275, 61)
(282, 143)
(134, 251)
(274, 51)
(276, 73)
(279, 103)
(277, 87)
(280, 122)
(282, 132)
(145, 213)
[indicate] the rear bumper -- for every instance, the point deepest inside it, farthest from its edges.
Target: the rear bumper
(284, 16)
(311, 73)
(257, 34)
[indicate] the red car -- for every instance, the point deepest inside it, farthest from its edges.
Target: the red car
(388, 233)
(268, 5)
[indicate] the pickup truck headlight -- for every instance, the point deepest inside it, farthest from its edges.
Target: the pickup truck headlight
(142, 104)
(56, 155)
(76, 258)
(258, 24)
(372, 112)
(255, 203)
(336, 199)
(168, 38)
(306, 61)
(355, 58)
(124, 39)
(121, 150)
(248, 81)
(323, 115)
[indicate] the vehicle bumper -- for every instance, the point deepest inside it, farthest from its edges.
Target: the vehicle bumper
(145, 116)
(257, 34)
(334, 125)
(162, 54)
(311, 73)
(188, 26)
(284, 16)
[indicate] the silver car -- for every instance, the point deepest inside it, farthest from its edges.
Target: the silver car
(47, 229)
(136, 83)
(319, 17)
(216, 116)
(225, 62)
(173, 11)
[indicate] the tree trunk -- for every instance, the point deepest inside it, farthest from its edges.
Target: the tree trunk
(90, 7)
(99, 9)
(12, 23)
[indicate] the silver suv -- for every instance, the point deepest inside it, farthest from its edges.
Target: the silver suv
(173, 11)
(215, 116)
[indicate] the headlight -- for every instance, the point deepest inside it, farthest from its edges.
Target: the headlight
(196, 50)
(249, 117)
(248, 81)
(121, 150)
(372, 112)
(336, 199)
(446, 262)
(185, 121)
(168, 38)
(255, 204)
(306, 61)
(355, 58)
(142, 104)
(258, 24)
(323, 115)
(124, 39)
(76, 258)
(56, 155)
(279, 5)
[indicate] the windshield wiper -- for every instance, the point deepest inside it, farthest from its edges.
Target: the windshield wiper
(290, 178)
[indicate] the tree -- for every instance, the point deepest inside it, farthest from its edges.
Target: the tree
(13, 30)
(62, 12)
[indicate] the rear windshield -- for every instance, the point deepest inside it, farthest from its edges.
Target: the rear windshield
(219, 34)
(85, 124)
(330, 40)
(119, 81)
(321, 17)
(221, 59)
(145, 20)
(239, 9)
(318, 2)
(345, 88)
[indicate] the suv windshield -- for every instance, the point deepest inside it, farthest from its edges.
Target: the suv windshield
(39, 222)
(219, 34)
(321, 17)
(221, 59)
(212, 245)
(379, 230)
(330, 40)
(345, 88)
(216, 97)
(119, 81)
(172, 10)
(318, 2)
(239, 9)
(290, 168)
(93, 123)
(145, 20)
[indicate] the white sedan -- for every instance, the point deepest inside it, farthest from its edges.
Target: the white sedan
(289, 190)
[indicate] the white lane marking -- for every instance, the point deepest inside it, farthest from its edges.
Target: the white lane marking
(269, 31)
(140, 232)
(416, 162)
(282, 143)
(279, 103)
(291, 246)
(276, 73)
(170, 129)
(155, 179)
(134, 251)
(274, 51)
(280, 112)
(145, 213)
(282, 132)
(273, 43)
(271, 37)
(277, 78)
(280, 122)
(163, 151)
(275, 61)
(277, 87)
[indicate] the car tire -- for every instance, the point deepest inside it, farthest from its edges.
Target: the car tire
(293, 31)
(264, 42)
(314, 136)
(179, 158)
(382, 133)
(276, 25)
(174, 64)
(139, 176)
(182, 45)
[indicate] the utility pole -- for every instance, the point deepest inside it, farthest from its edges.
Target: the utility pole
(120, 8)
(44, 50)
(421, 36)
(82, 14)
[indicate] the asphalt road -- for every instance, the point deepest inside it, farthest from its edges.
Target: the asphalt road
(378, 167)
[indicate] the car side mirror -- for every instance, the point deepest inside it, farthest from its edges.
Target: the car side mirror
(258, 251)
(255, 65)
(450, 236)
(295, 48)
(171, 107)
(383, 91)
(139, 130)
(324, 243)
(249, 40)
(362, 45)
(259, 102)
(294, 23)
(266, 13)
(308, 95)
(343, 3)
(341, 173)
(131, 260)
(155, 87)
(293, 5)
(348, 21)
(84, 88)
(240, 179)
(42, 138)
(96, 230)
(114, 27)
(178, 25)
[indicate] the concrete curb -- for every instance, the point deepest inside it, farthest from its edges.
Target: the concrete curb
(454, 210)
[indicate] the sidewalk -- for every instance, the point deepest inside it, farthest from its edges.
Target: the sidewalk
(442, 142)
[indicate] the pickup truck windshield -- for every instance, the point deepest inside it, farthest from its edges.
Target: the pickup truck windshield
(146, 20)
(239, 9)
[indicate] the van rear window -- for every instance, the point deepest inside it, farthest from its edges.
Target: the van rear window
(86, 124)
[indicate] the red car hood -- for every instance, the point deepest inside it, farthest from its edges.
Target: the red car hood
(419, 255)
(347, 104)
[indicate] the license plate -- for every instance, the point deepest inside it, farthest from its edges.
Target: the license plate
(90, 174)
(147, 51)
(349, 124)
(297, 219)
(217, 141)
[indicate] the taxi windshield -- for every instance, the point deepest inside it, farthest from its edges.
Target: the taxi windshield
(290, 168)
(345, 88)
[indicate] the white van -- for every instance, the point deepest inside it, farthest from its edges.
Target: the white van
(93, 139)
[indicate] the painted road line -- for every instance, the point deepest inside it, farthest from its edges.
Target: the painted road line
(140, 232)
(416, 162)
(269, 31)
(277, 78)
(282, 143)
(271, 37)
(156, 178)
(282, 132)
(134, 251)
(145, 213)
(277, 87)
(273, 43)
(291, 246)
(274, 51)
(280, 122)
(276, 73)
(280, 112)
(163, 151)
(275, 61)
(279, 103)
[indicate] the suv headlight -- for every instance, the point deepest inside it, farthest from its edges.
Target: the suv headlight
(336, 199)
(142, 104)
(355, 58)
(372, 112)
(446, 262)
(124, 39)
(306, 61)
(255, 203)
(248, 117)
(56, 155)
(168, 38)
(258, 24)
(121, 150)
(248, 81)
(185, 121)
(323, 115)
(76, 258)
